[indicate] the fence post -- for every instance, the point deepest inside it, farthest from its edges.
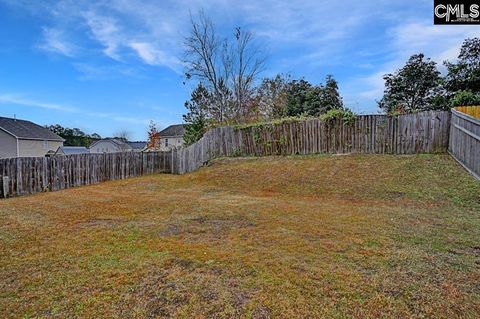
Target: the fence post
(5, 181)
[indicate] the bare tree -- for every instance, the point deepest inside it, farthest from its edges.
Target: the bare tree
(227, 67)
(122, 135)
(203, 59)
(247, 62)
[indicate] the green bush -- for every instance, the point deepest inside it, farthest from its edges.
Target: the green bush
(465, 98)
(346, 115)
(262, 124)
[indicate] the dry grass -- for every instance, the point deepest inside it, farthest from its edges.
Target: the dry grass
(299, 237)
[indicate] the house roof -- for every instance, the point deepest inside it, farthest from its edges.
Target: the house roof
(70, 150)
(137, 145)
(27, 130)
(174, 130)
(121, 144)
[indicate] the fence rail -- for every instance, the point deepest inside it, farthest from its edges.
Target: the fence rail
(465, 141)
(424, 132)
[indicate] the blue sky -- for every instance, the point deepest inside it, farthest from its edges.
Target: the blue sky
(112, 66)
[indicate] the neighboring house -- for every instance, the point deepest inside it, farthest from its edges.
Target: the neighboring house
(71, 150)
(20, 138)
(172, 137)
(110, 145)
(137, 146)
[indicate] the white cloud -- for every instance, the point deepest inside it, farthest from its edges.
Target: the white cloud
(154, 30)
(153, 56)
(54, 41)
(104, 29)
(437, 42)
(17, 99)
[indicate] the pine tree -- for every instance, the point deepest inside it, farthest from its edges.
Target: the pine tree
(197, 117)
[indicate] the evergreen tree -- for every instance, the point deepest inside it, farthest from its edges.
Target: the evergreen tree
(197, 117)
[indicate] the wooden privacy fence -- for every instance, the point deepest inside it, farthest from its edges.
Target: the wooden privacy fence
(28, 175)
(473, 111)
(465, 141)
(424, 132)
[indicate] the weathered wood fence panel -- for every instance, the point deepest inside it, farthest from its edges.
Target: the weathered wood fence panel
(426, 132)
(28, 175)
(465, 141)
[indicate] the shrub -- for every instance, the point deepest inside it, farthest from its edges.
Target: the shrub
(465, 98)
(346, 115)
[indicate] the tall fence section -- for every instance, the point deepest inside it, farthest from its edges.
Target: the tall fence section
(426, 132)
(465, 141)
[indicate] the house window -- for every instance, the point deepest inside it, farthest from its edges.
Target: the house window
(45, 144)
(166, 142)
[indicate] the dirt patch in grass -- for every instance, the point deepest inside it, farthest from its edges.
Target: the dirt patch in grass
(206, 227)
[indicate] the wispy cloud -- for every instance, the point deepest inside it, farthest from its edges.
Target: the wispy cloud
(153, 56)
(106, 31)
(54, 41)
(17, 99)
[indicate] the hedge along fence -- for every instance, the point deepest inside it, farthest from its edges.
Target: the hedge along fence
(425, 132)
(473, 111)
(28, 175)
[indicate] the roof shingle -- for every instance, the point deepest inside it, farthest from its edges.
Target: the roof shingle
(27, 130)
(70, 150)
(173, 130)
(137, 145)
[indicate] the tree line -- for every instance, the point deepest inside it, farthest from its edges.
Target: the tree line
(419, 85)
(73, 136)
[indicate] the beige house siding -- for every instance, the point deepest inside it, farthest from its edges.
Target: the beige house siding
(36, 148)
(169, 142)
(8, 145)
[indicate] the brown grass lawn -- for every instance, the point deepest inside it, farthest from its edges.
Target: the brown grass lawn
(295, 237)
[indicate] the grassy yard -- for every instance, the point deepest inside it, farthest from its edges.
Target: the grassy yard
(315, 236)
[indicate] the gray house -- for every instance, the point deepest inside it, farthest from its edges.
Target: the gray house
(172, 137)
(71, 150)
(20, 138)
(110, 145)
(137, 146)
